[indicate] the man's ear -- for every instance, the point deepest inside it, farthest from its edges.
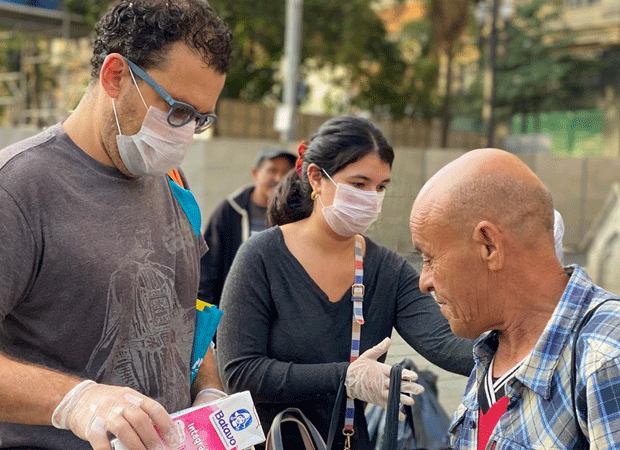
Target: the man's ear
(490, 245)
(254, 172)
(112, 73)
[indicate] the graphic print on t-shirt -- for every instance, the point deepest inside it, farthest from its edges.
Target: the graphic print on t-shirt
(138, 345)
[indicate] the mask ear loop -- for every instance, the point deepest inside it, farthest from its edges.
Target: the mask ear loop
(330, 178)
(118, 125)
(136, 83)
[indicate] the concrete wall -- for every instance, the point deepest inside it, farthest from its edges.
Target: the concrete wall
(579, 186)
(604, 253)
(218, 167)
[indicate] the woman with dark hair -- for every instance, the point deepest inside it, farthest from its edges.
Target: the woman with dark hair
(290, 329)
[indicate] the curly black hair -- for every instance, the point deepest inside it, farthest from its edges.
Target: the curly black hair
(143, 30)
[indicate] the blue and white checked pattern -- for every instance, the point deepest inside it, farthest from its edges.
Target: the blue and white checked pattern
(540, 413)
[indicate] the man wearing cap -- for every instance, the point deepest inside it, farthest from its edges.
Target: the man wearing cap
(239, 216)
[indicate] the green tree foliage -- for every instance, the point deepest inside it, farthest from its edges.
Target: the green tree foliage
(536, 69)
(258, 41)
(345, 38)
(336, 35)
(422, 73)
(449, 19)
(91, 10)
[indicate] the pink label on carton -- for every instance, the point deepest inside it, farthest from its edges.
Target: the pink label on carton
(230, 423)
(200, 434)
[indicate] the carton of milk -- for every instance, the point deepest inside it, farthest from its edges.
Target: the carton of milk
(230, 423)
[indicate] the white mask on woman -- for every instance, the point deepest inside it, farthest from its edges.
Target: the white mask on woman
(353, 210)
(158, 147)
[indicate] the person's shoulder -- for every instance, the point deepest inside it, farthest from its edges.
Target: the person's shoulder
(268, 238)
(262, 246)
(28, 155)
(602, 331)
(231, 204)
(606, 317)
(243, 192)
(241, 197)
(220, 209)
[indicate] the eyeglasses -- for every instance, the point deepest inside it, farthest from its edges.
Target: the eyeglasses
(180, 113)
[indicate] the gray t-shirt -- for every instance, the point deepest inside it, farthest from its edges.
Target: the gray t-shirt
(283, 340)
(99, 276)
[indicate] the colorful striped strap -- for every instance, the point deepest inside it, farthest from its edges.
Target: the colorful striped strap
(357, 297)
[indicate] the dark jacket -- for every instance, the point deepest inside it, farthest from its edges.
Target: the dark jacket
(228, 228)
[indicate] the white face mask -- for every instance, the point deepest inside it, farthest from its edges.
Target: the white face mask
(353, 210)
(158, 147)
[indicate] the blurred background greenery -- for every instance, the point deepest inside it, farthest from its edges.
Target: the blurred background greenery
(491, 67)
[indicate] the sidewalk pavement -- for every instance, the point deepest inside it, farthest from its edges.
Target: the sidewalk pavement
(450, 386)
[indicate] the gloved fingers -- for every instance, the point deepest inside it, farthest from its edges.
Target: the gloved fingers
(132, 426)
(97, 435)
(162, 422)
(367, 372)
(409, 375)
(138, 427)
(406, 400)
(378, 350)
(411, 387)
(133, 420)
(130, 439)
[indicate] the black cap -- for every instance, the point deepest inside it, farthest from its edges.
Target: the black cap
(272, 152)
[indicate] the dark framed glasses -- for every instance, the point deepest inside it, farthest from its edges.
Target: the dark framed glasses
(180, 113)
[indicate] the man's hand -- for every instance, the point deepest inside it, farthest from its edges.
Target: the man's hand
(92, 410)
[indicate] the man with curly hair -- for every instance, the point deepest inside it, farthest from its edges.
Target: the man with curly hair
(101, 247)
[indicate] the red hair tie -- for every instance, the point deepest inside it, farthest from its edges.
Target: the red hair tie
(300, 161)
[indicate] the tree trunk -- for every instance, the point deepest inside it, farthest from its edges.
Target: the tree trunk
(536, 120)
(524, 117)
(445, 113)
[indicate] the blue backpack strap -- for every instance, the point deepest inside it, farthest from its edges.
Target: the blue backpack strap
(186, 200)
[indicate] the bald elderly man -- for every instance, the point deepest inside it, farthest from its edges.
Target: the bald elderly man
(484, 226)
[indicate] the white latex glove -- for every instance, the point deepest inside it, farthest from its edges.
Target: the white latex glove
(92, 410)
(208, 395)
(369, 380)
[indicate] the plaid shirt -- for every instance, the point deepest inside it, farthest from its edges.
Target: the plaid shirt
(540, 413)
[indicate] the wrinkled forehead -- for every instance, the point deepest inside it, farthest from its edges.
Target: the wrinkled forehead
(431, 203)
(425, 217)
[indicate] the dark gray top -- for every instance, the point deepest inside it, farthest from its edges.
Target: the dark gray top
(284, 341)
(99, 276)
